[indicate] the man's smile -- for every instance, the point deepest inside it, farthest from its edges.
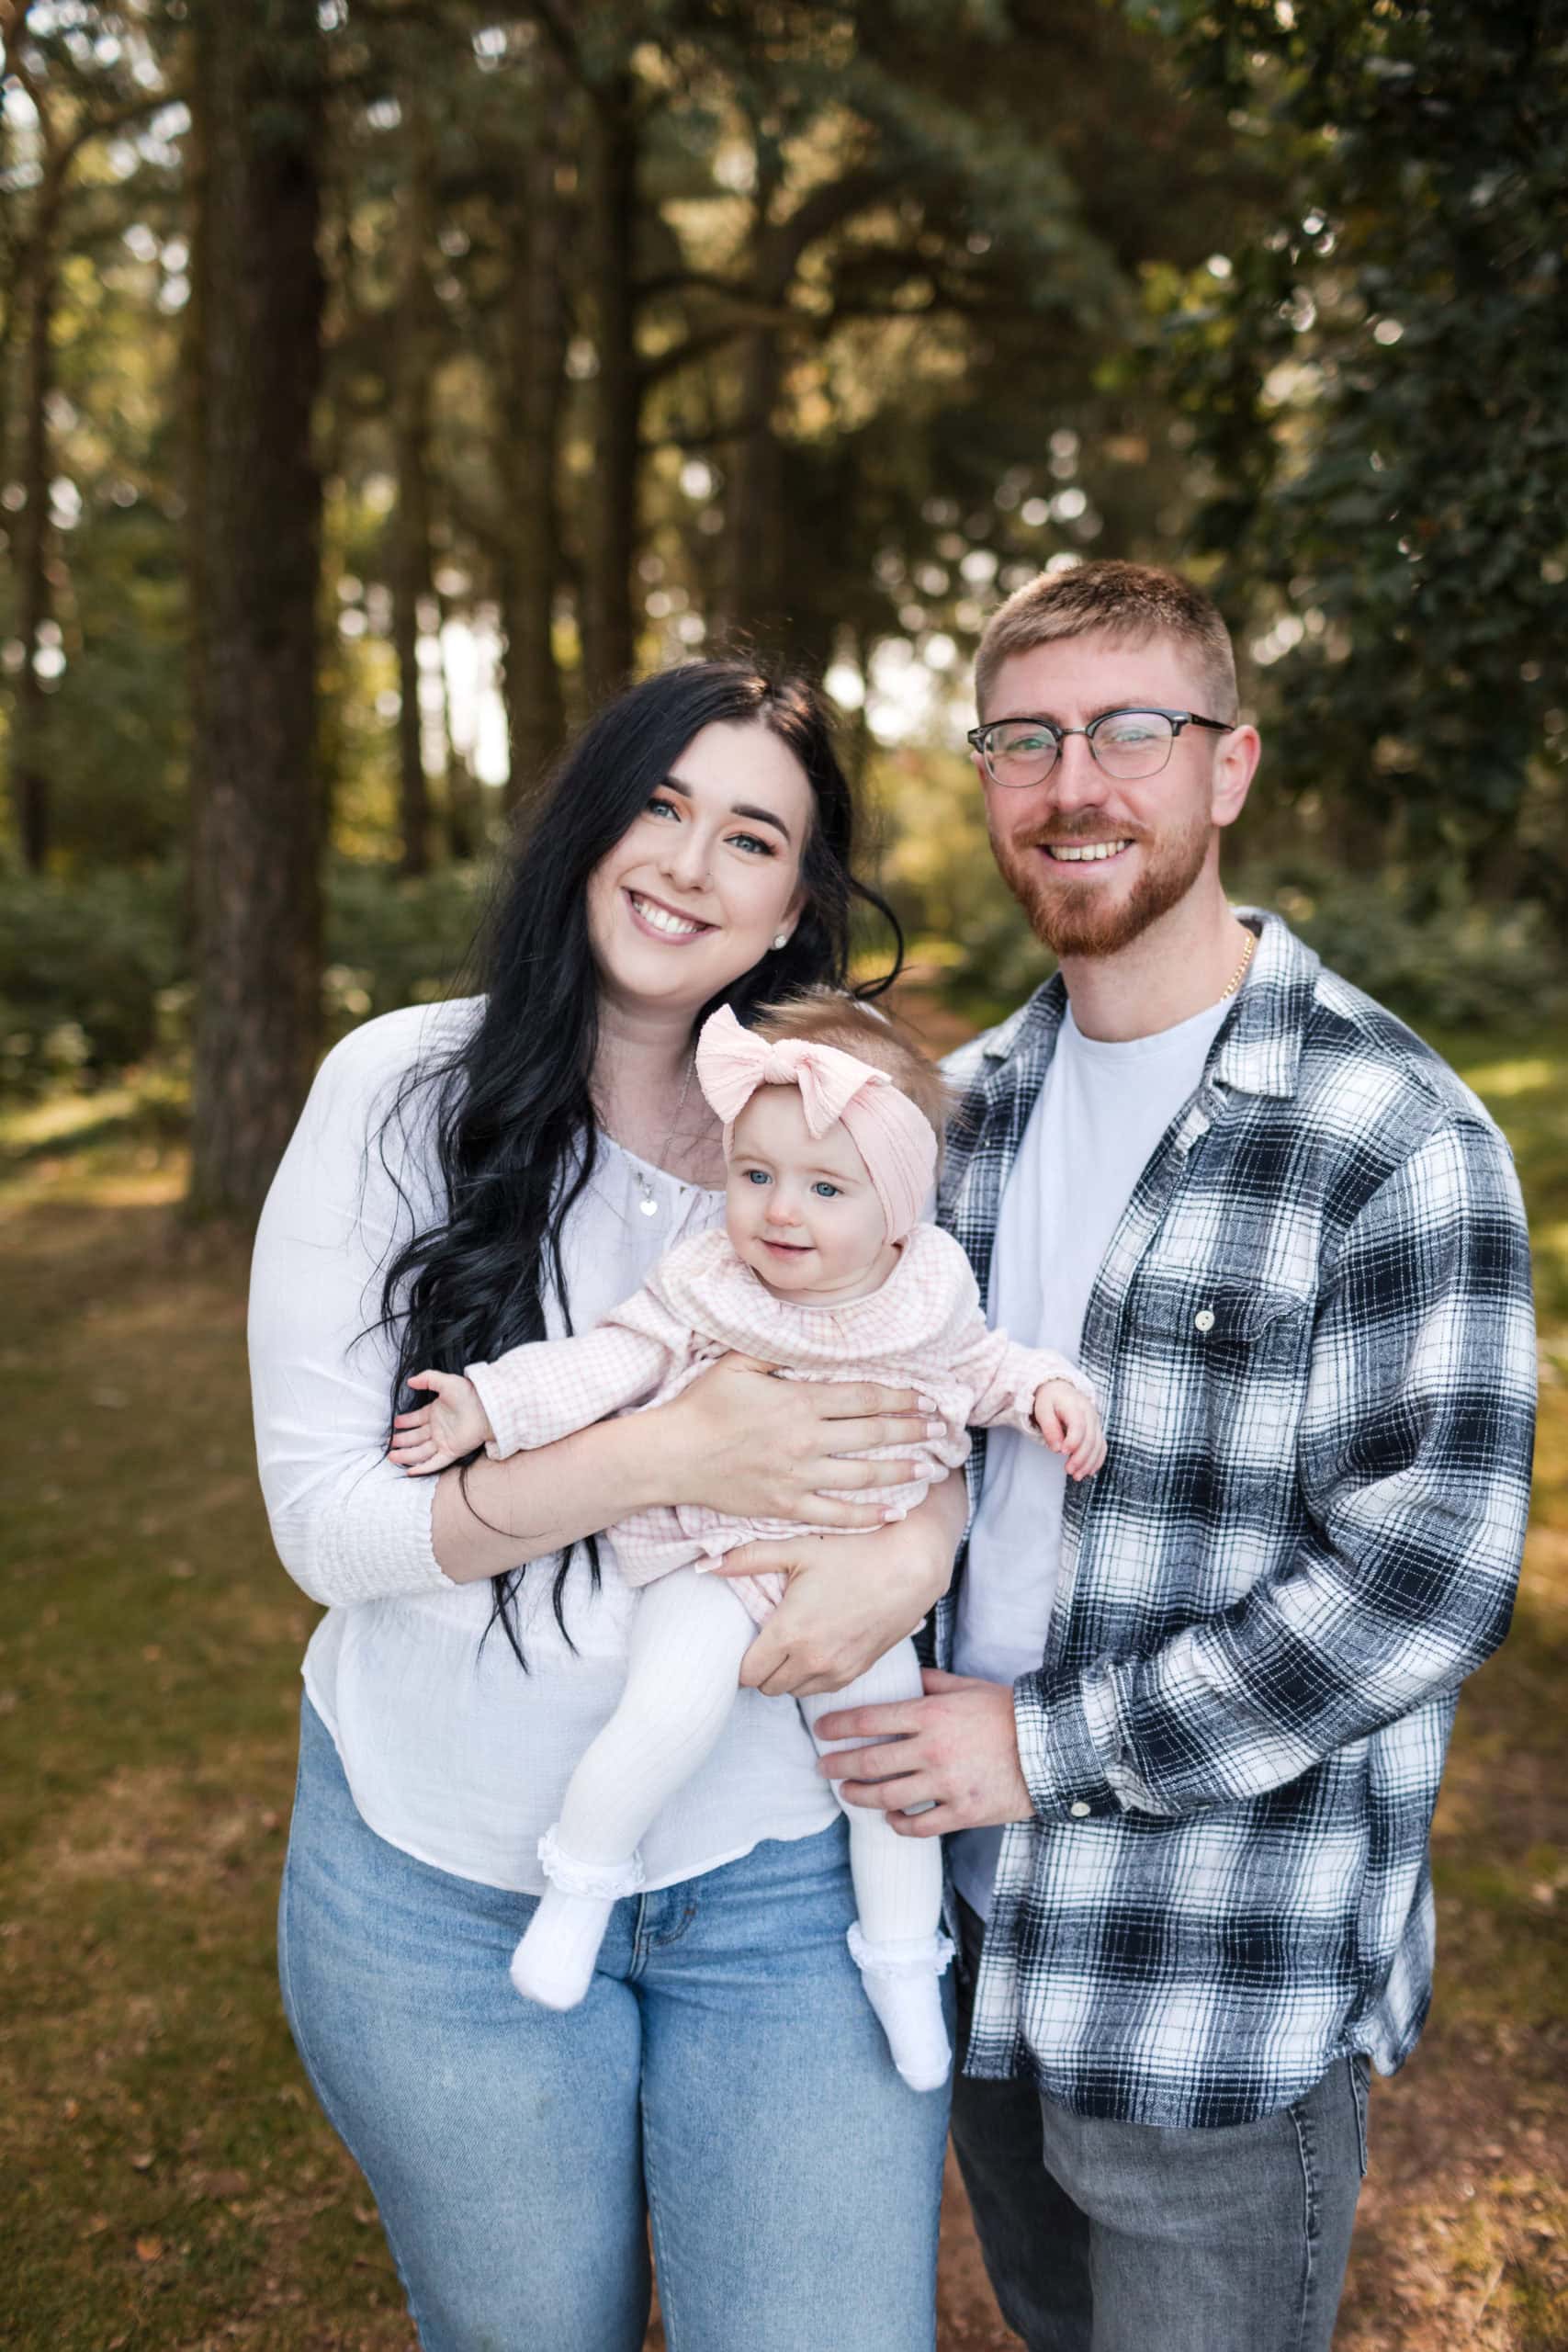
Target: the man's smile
(1084, 853)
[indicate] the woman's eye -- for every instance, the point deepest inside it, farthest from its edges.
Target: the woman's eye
(826, 1192)
(662, 808)
(752, 841)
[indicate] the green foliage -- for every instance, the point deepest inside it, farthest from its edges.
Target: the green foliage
(1380, 387)
(95, 975)
(84, 968)
(1456, 967)
(392, 941)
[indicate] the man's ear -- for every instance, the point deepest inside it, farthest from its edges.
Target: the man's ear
(1236, 765)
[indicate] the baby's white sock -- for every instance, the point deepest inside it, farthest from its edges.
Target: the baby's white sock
(554, 1962)
(903, 1983)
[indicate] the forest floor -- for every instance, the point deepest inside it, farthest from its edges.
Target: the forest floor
(170, 2183)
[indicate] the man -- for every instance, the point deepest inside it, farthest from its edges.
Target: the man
(1189, 1756)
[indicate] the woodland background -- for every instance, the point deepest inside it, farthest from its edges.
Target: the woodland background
(381, 380)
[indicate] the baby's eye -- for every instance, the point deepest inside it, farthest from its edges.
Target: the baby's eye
(756, 1176)
(824, 1190)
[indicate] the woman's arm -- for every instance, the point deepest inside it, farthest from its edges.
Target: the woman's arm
(736, 1439)
(347, 1524)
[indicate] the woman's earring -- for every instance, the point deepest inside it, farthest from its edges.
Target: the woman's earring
(780, 939)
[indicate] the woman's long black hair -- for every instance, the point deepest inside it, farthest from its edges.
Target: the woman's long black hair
(512, 1111)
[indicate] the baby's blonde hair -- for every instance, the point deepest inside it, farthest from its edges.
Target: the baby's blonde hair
(827, 1017)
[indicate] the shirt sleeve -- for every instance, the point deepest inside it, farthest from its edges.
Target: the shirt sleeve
(534, 1394)
(1413, 1456)
(348, 1524)
(1003, 1376)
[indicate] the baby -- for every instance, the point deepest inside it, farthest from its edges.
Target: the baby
(823, 1270)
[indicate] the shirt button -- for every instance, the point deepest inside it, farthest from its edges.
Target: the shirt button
(1079, 1811)
(1204, 1318)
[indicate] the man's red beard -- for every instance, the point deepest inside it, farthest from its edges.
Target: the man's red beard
(1083, 918)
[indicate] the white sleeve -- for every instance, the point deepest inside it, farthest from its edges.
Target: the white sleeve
(347, 1524)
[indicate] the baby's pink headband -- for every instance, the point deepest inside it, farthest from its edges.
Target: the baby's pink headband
(892, 1136)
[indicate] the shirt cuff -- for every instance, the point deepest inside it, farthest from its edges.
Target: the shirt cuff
(373, 1542)
(1030, 1375)
(506, 1437)
(1071, 1747)
(1061, 1764)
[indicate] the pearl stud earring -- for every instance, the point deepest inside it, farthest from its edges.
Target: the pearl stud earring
(780, 939)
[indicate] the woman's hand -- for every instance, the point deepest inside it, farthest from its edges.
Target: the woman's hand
(755, 1447)
(850, 1598)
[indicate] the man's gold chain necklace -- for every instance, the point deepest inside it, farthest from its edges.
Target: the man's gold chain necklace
(1240, 974)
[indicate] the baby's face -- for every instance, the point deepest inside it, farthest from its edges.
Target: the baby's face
(800, 1209)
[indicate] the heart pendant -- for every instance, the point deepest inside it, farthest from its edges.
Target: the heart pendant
(648, 1205)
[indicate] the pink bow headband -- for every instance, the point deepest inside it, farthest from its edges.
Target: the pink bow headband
(892, 1136)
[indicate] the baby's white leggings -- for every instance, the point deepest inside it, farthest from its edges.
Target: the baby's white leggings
(688, 1638)
(689, 1635)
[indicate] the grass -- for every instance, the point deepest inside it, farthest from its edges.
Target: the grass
(171, 2184)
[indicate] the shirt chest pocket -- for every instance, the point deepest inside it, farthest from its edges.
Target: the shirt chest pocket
(1213, 1362)
(1216, 1318)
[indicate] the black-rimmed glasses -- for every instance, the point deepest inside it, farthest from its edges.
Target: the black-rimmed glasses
(1016, 752)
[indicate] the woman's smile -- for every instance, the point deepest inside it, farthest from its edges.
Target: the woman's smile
(661, 921)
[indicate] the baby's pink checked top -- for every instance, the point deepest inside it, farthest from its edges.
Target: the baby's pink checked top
(923, 1329)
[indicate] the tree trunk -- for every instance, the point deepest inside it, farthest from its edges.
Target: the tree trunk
(259, 90)
(536, 354)
(409, 525)
(754, 570)
(608, 632)
(29, 717)
(192, 411)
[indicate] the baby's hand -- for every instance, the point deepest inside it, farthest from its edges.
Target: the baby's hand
(1069, 1423)
(441, 1433)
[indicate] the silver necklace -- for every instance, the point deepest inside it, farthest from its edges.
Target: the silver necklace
(648, 1203)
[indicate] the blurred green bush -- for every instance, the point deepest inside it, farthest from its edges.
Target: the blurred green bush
(83, 966)
(94, 971)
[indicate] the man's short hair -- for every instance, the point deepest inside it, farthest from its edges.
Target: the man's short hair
(1110, 598)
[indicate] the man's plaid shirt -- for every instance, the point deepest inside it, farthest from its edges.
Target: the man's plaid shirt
(1312, 1341)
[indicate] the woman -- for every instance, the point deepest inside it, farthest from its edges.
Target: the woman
(460, 1179)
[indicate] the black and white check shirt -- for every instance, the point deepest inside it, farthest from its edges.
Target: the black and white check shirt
(1313, 1342)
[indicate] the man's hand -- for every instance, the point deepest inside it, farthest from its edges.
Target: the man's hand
(954, 1751)
(850, 1597)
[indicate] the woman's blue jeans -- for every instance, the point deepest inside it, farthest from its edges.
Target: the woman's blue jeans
(724, 2078)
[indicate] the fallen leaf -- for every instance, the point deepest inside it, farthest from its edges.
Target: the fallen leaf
(142, 2163)
(149, 2249)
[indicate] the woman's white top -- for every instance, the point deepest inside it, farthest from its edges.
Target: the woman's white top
(452, 1753)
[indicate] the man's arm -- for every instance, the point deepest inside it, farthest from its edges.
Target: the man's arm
(1414, 1456)
(850, 1598)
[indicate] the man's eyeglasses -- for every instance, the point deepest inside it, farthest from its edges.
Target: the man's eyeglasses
(1126, 744)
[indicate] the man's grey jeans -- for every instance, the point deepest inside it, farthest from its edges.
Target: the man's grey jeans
(1126, 2237)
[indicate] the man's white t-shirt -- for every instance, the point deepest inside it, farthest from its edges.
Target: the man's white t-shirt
(1090, 1135)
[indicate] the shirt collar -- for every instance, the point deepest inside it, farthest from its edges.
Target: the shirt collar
(1259, 1048)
